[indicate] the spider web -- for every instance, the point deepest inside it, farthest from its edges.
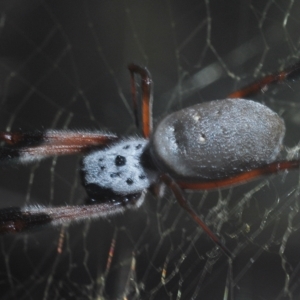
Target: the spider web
(63, 65)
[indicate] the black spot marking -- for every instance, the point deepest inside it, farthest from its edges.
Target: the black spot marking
(139, 146)
(126, 147)
(129, 181)
(100, 159)
(114, 175)
(142, 176)
(102, 168)
(120, 161)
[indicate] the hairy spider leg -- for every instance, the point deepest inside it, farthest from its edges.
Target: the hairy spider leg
(291, 73)
(16, 219)
(35, 145)
(147, 98)
(271, 168)
(177, 191)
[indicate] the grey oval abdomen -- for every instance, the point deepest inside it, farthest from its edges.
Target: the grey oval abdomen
(217, 139)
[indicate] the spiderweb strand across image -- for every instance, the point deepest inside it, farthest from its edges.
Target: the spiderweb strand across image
(63, 66)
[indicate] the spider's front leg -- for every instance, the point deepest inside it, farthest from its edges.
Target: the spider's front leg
(25, 147)
(147, 98)
(16, 219)
(113, 177)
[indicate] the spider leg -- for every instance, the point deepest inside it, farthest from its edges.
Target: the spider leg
(271, 168)
(29, 146)
(177, 191)
(147, 98)
(291, 73)
(16, 219)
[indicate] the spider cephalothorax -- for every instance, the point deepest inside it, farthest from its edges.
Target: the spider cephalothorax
(116, 173)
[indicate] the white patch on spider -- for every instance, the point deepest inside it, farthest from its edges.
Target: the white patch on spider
(196, 117)
(118, 167)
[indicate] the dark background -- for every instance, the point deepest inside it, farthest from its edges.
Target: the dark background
(63, 64)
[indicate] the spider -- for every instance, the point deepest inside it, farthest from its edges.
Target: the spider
(210, 145)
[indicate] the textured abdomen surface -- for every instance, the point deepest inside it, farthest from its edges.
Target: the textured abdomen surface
(217, 139)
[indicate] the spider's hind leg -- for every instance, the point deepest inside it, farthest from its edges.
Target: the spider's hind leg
(291, 73)
(177, 191)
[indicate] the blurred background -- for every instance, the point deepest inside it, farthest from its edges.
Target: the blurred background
(63, 64)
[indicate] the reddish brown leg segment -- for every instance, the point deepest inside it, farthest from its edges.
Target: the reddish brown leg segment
(15, 219)
(147, 98)
(36, 145)
(184, 203)
(290, 74)
(272, 168)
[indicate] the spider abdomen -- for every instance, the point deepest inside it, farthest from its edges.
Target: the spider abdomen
(217, 139)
